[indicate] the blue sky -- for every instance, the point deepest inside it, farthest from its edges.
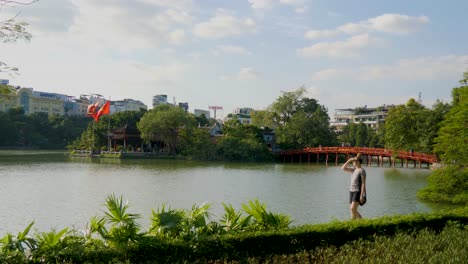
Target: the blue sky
(243, 53)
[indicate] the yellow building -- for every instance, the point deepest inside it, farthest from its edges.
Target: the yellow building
(40, 102)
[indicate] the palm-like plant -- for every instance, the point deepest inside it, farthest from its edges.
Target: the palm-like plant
(196, 222)
(232, 220)
(51, 243)
(197, 217)
(124, 228)
(167, 222)
(185, 224)
(263, 220)
(18, 244)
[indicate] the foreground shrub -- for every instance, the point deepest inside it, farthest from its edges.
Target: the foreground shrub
(423, 246)
(448, 184)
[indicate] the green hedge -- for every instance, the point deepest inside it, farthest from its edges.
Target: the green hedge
(265, 244)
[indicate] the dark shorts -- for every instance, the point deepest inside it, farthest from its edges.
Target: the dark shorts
(354, 196)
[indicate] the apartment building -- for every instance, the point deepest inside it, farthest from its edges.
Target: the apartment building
(373, 117)
(127, 105)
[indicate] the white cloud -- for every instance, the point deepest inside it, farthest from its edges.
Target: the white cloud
(176, 37)
(292, 2)
(423, 68)
(314, 34)
(231, 49)
(178, 4)
(246, 73)
(301, 10)
(261, 4)
(388, 23)
(350, 47)
(224, 24)
(398, 24)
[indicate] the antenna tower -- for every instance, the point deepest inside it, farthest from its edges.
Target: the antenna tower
(215, 107)
(420, 97)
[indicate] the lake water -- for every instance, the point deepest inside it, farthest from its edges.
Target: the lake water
(57, 191)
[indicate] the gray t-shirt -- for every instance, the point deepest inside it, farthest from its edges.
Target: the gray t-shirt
(355, 187)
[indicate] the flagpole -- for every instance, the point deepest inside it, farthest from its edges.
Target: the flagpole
(92, 149)
(108, 130)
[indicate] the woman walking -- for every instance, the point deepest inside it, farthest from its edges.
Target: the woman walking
(357, 189)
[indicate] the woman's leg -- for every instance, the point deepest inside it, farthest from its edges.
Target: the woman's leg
(354, 212)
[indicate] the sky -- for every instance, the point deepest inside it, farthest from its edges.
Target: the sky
(242, 53)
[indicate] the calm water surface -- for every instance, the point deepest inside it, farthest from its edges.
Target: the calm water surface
(57, 191)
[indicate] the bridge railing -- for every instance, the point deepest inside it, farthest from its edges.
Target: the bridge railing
(365, 151)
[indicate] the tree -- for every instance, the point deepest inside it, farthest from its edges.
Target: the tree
(301, 121)
(11, 31)
(413, 126)
(262, 118)
(242, 143)
(451, 143)
(450, 182)
(165, 123)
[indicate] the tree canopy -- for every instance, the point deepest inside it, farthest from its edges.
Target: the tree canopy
(413, 126)
(164, 123)
(451, 143)
(11, 31)
(301, 121)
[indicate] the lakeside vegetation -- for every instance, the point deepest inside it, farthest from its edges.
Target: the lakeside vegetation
(250, 235)
(297, 121)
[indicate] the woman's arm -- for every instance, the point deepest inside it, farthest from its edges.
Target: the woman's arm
(363, 185)
(345, 166)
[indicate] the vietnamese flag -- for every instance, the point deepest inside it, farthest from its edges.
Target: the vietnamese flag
(105, 110)
(92, 109)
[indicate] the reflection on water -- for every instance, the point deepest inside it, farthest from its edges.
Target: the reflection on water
(58, 191)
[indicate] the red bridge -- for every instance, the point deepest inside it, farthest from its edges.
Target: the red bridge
(368, 154)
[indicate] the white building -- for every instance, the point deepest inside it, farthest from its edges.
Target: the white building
(199, 112)
(159, 99)
(127, 105)
(372, 117)
(241, 114)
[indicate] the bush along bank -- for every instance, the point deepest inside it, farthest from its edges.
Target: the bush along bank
(178, 236)
(448, 184)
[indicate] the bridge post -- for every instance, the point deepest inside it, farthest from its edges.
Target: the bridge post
(326, 159)
(336, 158)
(317, 157)
(308, 158)
(300, 158)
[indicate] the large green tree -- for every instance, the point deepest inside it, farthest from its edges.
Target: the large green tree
(164, 123)
(413, 126)
(301, 121)
(242, 143)
(450, 182)
(452, 142)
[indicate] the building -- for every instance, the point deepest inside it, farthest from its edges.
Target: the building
(373, 117)
(243, 111)
(184, 106)
(159, 99)
(127, 105)
(58, 104)
(41, 102)
(241, 114)
(199, 112)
